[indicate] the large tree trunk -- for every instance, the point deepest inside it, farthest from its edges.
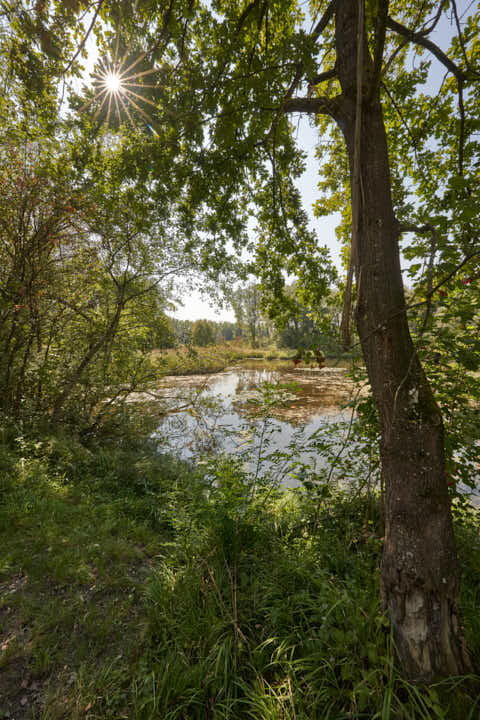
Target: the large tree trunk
(420, 572)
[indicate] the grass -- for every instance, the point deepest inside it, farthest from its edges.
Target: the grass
(214, 358)
(133, 586)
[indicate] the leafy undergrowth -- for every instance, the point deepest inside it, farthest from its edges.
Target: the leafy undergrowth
(136, 587)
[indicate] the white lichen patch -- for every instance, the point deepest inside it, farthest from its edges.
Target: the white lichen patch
(413, 396)
(415, 629)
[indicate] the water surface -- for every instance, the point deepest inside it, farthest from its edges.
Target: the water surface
(261, 411)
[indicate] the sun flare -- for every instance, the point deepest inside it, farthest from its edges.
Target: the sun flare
(113, 82)
(120, 88)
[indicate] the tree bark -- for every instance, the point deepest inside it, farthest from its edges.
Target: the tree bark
(420, 571)
(345, 323)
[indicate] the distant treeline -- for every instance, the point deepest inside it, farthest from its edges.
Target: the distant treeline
(203, 332)
(293, 330)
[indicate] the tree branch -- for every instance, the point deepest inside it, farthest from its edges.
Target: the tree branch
(460, 34)
(85, 37)
(305, 105)
(314, 106)
(421, 229)
(461, 132)
(324, 20)
(408, 130)
(323, 77)
(435, 19)
(425, 31)
(380, 34)
(411, 306)
(409, 227)
(356, 180)
(245, 14)
(418, 38)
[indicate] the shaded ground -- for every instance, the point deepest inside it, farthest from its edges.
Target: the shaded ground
(71, 567)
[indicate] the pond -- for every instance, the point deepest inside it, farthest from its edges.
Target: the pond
(264, 412)
(283, 423)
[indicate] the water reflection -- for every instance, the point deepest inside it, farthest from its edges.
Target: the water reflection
(225, 412)
(308, 433)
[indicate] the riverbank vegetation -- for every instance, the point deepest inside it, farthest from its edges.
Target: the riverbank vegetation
(137, 586)
(192, 360)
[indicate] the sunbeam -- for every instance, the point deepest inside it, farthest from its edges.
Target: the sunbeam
(113, 81)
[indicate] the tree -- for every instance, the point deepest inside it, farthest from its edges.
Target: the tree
(86, 266)
(182, 330)
(420, 574)
(227, 331)
(299, 326)
(419, 587)
(344, 70)
(246, 302)
(231, 72)
(202, 333)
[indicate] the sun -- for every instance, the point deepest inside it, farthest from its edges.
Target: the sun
(119, 87)
(113, 82)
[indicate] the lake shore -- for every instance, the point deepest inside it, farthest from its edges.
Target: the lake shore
(189, 360)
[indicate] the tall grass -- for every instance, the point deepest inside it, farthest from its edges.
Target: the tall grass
(135, 586)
